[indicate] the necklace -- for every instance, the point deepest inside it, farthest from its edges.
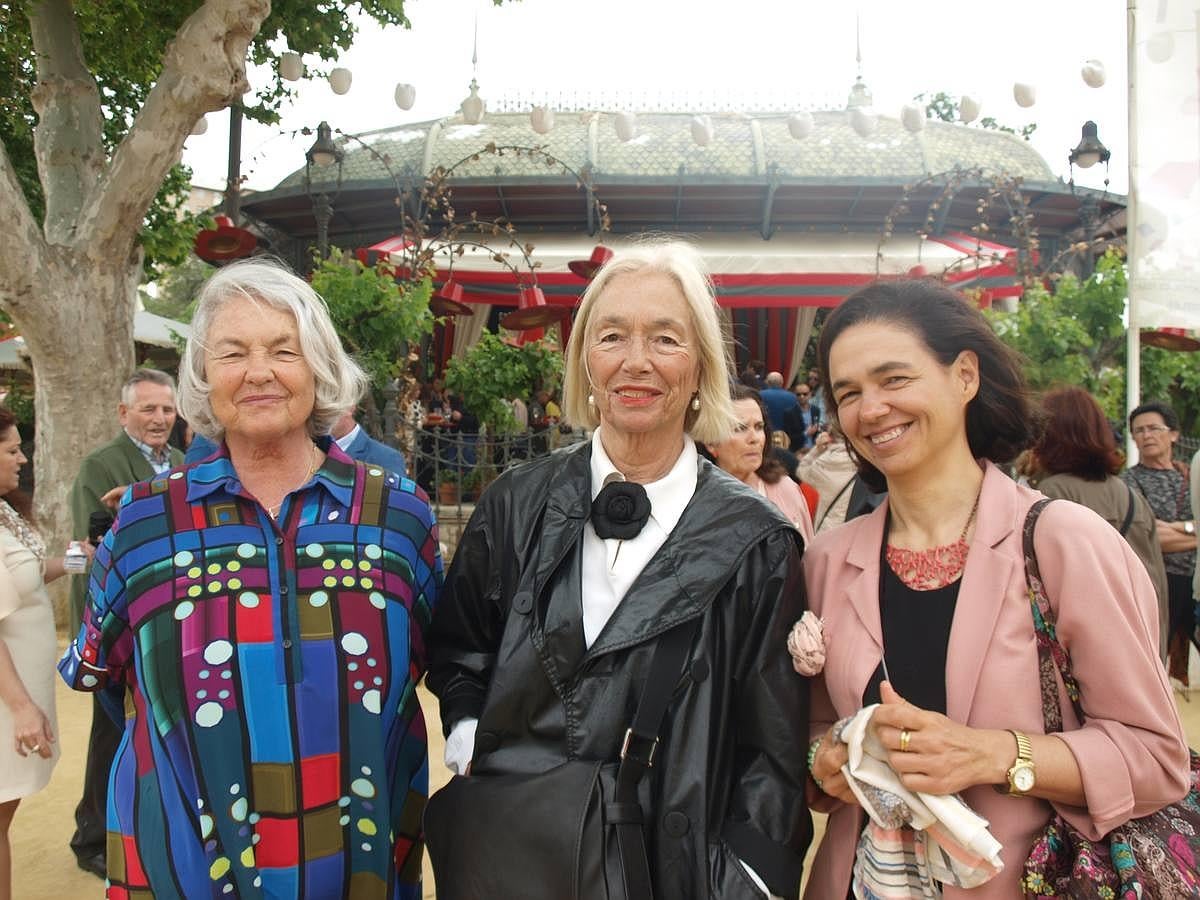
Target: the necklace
(928, 570)
(22, 530)
(273, 511)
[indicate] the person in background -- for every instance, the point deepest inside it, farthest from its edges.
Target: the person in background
(28, 647)
(752, 375)
(778, 401)
(804, 421)
(747, 456)
(830, 469)
(260, 619)
(1077, 459)
(1164, 484)
(927, 611)
(354, 441)
(624, 538)
(146, 414)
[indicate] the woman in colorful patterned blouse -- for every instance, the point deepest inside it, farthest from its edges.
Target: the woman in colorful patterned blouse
(260, 617)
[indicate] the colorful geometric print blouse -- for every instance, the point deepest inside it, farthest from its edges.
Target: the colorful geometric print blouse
(273, 745)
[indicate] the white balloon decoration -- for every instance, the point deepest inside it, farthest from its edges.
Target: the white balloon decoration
(1025, 94)
(626, 125)
(912, 117)
(1160, 47)
(405, 96)
(800, 125)
(968, 108)
(863, 120)
(339, 80)
(542, 119)
(1093, 73)
(291, 67)
(702, 130)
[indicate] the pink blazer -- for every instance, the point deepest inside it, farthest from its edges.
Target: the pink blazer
(1132, 752)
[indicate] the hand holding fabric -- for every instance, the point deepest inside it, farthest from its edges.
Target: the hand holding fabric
(939, 756)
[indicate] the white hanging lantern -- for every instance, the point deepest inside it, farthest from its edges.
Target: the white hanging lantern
(291, 67)
(405, 96)
(702, 130)
(1093, 73)
(800, 125)
(201, 126)
(626, 125)
(864, 121)
(912, 117)
(473, 107)
(339, 80)
(541, 119)
(1025, 94)
(968, 108)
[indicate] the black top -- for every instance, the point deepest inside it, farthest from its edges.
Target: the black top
(916, 634)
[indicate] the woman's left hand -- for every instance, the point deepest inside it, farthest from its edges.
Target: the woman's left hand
(935, 755)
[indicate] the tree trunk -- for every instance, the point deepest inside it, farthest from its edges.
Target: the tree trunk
(81, 345)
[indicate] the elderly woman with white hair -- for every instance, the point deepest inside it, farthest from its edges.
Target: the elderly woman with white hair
(608, 649)
(260, 618)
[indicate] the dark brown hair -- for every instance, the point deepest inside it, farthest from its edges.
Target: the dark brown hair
(1001, 420)
(1078, 439)
(771, 470)
(17, 498)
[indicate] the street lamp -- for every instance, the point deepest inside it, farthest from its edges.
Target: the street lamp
(1089, 151)
(323, 154)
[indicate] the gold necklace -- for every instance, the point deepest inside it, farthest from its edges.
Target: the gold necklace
(273, 511)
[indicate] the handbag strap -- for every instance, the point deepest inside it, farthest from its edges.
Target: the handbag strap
(1129, 512)
(1052, 655)
(637, 755)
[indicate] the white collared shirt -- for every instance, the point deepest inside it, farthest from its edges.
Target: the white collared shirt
(347, 439)
(610, 566)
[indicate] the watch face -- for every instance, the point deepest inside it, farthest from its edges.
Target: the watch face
(1023, 779)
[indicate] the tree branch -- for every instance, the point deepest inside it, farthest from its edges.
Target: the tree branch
(204, 69)
(68, 144)
(21, 241)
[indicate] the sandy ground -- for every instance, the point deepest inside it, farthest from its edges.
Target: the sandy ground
(44, 867)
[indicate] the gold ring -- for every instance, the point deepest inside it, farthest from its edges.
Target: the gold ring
(905, 737)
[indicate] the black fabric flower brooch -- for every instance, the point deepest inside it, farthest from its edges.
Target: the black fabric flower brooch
(620, 510)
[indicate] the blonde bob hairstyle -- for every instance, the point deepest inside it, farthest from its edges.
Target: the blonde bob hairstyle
(681, 262)
(339, 382)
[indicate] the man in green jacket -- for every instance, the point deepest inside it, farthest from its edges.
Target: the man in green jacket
(146, 414)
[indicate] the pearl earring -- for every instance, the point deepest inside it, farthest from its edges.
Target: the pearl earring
(696, 403)
(591, 399)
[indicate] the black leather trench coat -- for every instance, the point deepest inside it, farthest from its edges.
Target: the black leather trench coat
(728, 778)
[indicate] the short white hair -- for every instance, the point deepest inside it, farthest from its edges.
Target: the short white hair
(339, 381)
(683, 264)
(144, 375)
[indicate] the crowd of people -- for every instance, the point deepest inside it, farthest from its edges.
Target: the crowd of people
(656, 652)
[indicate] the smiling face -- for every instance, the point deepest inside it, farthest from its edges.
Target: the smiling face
(742, 454)
(901, 409)
(11, 460)
(262, 388)
(1154, 438)
(150, 416)
(641, 357)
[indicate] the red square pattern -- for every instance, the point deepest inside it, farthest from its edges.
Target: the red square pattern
(254, 624)
(278, 845)
(319, 779)
(135, 875)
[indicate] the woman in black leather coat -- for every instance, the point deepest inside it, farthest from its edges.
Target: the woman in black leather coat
(541, 642)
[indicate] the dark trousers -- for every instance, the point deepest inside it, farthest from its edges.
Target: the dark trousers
(1182, 631)
(91, 814)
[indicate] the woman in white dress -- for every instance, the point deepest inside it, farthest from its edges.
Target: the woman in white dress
(28, 648)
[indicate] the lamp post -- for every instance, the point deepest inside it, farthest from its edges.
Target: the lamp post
(323, 154)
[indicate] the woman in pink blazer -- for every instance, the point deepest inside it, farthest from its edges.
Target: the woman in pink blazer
(932, 585)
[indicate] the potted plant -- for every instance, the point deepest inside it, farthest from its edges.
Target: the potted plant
(448, 483)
